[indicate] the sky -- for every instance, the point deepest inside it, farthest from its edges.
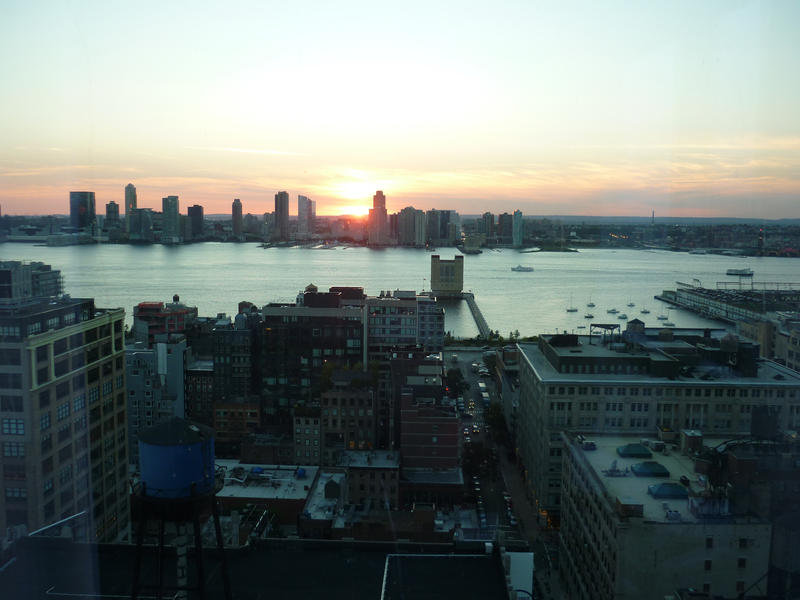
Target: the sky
(571, 107)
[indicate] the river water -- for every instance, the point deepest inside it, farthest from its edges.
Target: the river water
(216, 276)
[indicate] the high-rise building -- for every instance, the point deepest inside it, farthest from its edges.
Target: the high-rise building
(281, 225)
(306, 216)
(486, 225)
(64, 426)
(196, 221)
(517, 229)
(505, 228)
(112, 215)
(236, 218)
(130, 204)
(82, 210)
(171, 225)
(411, 227)
(378, 220)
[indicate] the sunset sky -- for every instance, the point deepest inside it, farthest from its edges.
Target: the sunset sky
(597, 108)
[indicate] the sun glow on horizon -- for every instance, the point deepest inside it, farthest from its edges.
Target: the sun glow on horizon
(354, 210)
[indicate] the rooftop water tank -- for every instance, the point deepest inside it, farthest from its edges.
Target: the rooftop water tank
(176, 459)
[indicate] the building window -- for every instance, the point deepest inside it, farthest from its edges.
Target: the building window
(707, 565)
(62, 412)
(741, 563)
(709, 543)
(13, 449)
(742, 543)
(13, 427)
(44, 421)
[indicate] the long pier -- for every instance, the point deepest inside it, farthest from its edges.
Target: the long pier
(483, 326)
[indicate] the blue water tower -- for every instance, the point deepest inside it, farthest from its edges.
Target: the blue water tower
(176, 459)
(177, 485)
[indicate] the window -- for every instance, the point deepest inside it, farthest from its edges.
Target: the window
(13, 427)
(11, 403)
(709, 543)
(741, 563)
(742, 543)
(62, 412)
(707, 565)
(44, 421)
(13, 449)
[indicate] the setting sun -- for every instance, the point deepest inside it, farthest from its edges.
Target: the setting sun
(355, 190)
(355, 210)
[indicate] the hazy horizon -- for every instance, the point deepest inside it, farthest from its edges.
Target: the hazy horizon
(579, 108)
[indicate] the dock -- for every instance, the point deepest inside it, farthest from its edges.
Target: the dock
(480, 321)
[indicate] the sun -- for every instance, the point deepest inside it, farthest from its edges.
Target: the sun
(354, 190)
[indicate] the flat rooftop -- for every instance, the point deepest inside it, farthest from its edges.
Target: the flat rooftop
(318, 507)
(265, 482)
(620, 482)
(705, 374)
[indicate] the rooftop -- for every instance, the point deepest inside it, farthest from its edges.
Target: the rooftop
(268, 482)
(703, 374)
(320, 507)
(635, 482)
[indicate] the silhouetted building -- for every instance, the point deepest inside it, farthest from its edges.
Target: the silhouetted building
(281, 224)
(112, 215)
(171, 224)
(378, 234)
(196, 221)
(130, 204)
(82, 210)
(306, 216)
(517, 229)
(236, 218)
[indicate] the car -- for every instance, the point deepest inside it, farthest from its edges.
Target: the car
(468, 440)
(512, 521)
(477, 489)
(507, 496)
(476, 429)
(466, 430)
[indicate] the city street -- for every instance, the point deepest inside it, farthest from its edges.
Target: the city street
(500, 475)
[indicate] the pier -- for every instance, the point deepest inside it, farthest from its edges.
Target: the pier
(483, 327)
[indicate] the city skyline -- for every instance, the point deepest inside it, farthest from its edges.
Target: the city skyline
(582, 109)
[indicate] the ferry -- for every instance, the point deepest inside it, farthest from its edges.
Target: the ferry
(521, 269)
(739, 272)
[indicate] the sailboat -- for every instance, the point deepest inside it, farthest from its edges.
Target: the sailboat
(668, 323)
(644, 311)
(591, 304)
(571, 308)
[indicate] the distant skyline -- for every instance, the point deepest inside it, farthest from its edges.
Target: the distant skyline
(574, 108)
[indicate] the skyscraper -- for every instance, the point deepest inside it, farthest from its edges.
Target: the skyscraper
(281, 228)
(411, 227)
(517, 229)
(171, 226)
(63, 407)
(112, 215)
(81, 210)
(236, 217)
(377, 220)
(196, 220)
(130, 198)
(306, 215)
